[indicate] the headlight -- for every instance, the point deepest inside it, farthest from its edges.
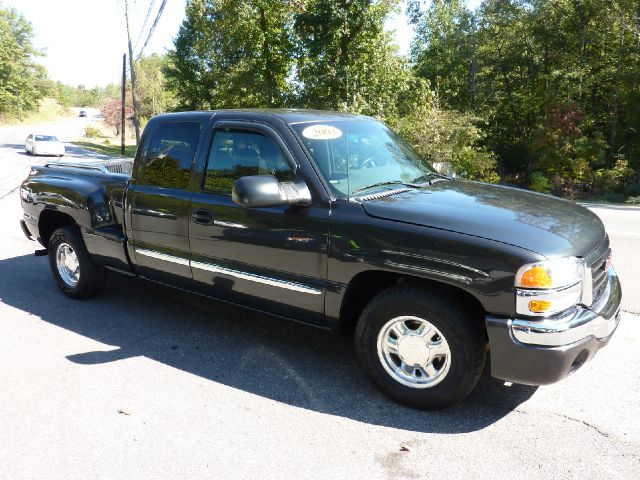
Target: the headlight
(557, 273)
(548, 287)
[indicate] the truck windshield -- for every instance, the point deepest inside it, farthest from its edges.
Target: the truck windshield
(361, 156)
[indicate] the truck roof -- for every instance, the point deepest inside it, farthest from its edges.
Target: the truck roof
(288, 115)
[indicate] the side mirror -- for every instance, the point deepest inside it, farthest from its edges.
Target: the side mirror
(256, 191)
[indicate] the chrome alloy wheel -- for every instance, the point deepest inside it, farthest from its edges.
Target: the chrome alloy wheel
(68, 265)
(413, 352)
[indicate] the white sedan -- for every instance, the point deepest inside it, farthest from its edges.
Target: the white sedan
(44, 145)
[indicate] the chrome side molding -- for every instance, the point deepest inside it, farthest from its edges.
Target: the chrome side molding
(163, 256)
(209, 267)
(298, 287)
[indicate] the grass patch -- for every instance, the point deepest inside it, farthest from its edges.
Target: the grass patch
(48, 111)
(97, 145)
(101, 139)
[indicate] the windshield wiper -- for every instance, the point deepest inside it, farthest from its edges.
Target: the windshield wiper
(425, 179)
(381, 184)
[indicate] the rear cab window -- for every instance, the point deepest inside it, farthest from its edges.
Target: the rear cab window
(168, 156)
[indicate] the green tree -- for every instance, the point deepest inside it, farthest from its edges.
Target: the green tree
(232, 53)
(444, 49)
(344, 58)
(555, 80)
(21, 78)
(155, 97)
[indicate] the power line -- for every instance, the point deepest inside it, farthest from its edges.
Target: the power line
(153, 27)
(144, 25)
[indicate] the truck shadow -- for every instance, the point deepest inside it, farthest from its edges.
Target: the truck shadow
(290, 363)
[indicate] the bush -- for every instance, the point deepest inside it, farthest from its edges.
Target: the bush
(633, 200)
(448, 137)
(540, 183)
(613, 179)
(91, 132)
(614, 197)
(632, 190)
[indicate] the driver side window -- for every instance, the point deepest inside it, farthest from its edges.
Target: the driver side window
(238, 153)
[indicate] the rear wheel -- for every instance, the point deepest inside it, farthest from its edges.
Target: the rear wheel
(74, 272)
(420, 348)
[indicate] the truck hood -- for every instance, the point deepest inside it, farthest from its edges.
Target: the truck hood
(540, 223)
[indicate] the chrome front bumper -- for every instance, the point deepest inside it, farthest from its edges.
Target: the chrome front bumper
(598, 321)
(543, 351)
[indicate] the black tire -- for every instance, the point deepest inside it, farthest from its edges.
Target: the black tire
(459, 326)
(91, 277)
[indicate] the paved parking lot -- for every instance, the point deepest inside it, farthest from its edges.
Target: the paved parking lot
(147, 382)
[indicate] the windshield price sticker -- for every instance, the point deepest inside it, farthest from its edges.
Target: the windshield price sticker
(321, 132)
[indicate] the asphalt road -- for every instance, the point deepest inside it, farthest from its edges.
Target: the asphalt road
(145, 382)
(623, 226)
(14, 160)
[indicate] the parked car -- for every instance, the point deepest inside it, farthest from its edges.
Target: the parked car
(82, 113)
(44, 145)
(333, 220)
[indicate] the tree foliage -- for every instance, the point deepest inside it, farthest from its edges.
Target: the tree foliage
(22, 80)
(233, 53)
(345, 60)
(323, 54)
(154, 96)
(555, 80)
(78, 96)
(112, 114)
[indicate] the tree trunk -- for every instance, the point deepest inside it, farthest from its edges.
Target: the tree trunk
(616, 98)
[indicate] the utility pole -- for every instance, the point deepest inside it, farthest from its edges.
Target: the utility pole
(136, 106)
(122, 112)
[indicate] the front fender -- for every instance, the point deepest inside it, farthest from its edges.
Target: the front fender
(483, 268)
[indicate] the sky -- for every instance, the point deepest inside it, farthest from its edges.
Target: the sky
(84, 39)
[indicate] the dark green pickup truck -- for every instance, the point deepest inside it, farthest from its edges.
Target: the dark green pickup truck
(333, 220)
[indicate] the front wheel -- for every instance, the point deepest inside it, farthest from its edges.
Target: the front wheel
(74, 272)
(419, 347)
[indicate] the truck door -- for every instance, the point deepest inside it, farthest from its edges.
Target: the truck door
(271, 258)
(158, 202)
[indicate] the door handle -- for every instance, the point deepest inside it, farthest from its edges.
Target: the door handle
(202, 216)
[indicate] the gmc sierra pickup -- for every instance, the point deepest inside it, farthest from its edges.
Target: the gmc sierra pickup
(333, 220)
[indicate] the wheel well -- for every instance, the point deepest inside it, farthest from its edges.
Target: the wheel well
(366, 285)
(50, 221)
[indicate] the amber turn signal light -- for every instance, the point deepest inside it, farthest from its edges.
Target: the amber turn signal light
(539, 306)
